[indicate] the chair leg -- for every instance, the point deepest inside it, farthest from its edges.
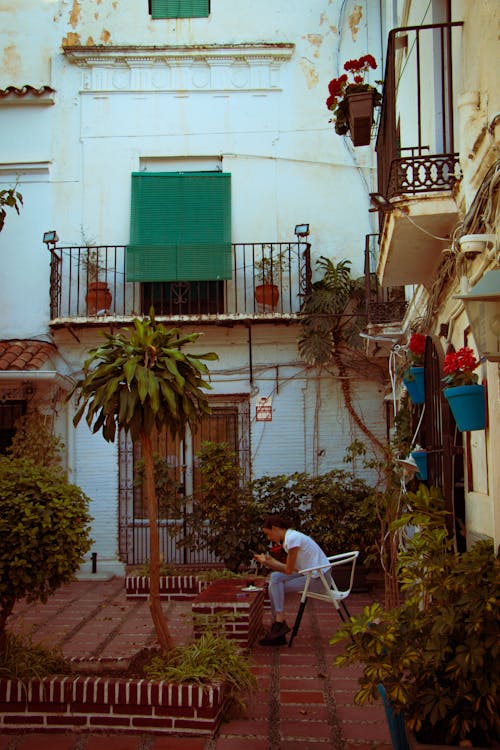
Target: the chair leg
(296, 624)
(344, 607)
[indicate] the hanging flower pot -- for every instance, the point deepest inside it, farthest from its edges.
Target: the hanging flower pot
(360, 108)
(468, 406)
(421, 461)
(415, 384)
(464, 394)
(267, 294)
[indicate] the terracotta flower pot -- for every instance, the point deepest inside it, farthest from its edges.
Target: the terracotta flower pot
(267, 294)
(98, 297)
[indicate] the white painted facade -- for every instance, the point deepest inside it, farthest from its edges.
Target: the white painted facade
(476, 115)
(240, 91)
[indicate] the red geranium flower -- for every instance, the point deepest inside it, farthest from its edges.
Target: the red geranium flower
(458, 367)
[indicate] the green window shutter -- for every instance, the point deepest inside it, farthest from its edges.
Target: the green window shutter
(180, 228)
(180, 8)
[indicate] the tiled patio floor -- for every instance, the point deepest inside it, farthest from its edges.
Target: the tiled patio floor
(302, 701)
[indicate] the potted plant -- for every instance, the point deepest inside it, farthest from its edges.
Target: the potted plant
(435, 655)
(270, 266)
(98, 297)
(463, 393)
(413, 373)
(353, 101)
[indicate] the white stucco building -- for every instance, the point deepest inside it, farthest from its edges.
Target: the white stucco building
(109, 112)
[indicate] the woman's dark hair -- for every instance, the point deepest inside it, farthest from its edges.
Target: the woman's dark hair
(276, 520)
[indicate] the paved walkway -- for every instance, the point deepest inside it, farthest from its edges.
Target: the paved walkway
(302, 701)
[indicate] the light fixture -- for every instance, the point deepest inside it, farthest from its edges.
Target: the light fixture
(50, 238)
(379, 202)
(482, 305)
(474, 244)
(302, 230)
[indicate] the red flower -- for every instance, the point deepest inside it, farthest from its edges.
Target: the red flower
(417, 343)
(339, 87)
(458, 367)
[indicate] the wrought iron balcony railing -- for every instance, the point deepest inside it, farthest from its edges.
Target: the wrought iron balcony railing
(90, 282)
(383, 304)
(415, 143)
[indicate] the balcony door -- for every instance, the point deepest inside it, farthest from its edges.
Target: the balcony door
(180, 240)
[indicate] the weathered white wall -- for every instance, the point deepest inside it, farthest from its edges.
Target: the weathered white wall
(287, 167)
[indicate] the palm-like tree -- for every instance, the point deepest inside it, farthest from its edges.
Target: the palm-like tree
(332, 318)
(138, 381)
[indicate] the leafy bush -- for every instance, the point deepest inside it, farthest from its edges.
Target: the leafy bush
(21, 659)
(211, 658)
(334, 508)
(44, 532)
(437, 653)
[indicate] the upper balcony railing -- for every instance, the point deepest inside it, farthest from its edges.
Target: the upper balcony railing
(383, 304)
(416, 137)
(90, 283)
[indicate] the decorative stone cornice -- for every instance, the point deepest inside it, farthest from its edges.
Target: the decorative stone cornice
(180, 68)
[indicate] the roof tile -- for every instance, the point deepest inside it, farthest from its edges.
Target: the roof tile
(24, 354)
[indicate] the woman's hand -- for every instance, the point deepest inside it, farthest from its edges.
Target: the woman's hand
(262, 558)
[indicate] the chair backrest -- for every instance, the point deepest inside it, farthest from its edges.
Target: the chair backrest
(344, 559)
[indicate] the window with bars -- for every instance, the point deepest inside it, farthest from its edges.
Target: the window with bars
(179, 8)
(225, 424)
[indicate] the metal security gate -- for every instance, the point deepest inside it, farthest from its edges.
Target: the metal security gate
(228, 422)
(443, 442)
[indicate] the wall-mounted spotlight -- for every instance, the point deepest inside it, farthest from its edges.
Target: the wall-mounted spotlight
(50, 238)
(379, 202)
(302, 230)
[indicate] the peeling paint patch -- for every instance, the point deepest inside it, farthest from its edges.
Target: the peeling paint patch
(11, 60)
(310, 73)
(75, 14)
(72, 40)
(355, 19)
(105, 36)
(316, 40)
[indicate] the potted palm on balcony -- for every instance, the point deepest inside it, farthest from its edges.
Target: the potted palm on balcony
(353, 101)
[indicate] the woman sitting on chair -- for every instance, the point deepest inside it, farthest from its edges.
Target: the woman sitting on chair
(302, 552)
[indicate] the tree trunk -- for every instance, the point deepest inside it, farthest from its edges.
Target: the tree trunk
(159, 621)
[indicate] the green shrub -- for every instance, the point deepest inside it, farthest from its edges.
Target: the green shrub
(211, 658)
(44, 532)
(21, 659)
(437, 653)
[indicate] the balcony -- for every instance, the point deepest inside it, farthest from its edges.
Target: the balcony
(75, 298)
(417, 163)
(385, 306)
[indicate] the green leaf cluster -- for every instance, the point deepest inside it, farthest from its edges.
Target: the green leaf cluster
(331, 314)
(437, 653)
(12, 199)
(34, 439)
(21, 659)
(335, 508)
(44, 532)
(211, 658)
(139, 380)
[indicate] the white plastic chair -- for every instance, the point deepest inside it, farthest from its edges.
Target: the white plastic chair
(331, 592)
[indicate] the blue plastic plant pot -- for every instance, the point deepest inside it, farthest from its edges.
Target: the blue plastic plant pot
(421, 461)
(395, 722)
(467, 406)
(415, 385)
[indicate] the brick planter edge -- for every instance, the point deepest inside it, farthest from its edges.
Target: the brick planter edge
(101, 703)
